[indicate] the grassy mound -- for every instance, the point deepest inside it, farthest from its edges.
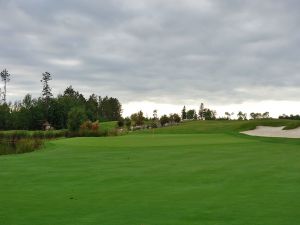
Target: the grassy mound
(226, 126)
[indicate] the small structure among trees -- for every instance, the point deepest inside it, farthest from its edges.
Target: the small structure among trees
(47, 126)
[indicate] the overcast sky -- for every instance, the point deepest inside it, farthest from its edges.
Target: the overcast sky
(233, 54)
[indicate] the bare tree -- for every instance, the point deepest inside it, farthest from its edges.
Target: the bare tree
(5, 77)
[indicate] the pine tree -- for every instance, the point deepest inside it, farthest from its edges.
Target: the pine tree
(46, 92)
(201, 110)
(5, 76)
(155, 114)
(1, 99)
(183, 113)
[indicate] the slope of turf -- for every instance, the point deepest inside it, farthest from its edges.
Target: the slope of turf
(108, 125)
(211, 176)
(215, 126)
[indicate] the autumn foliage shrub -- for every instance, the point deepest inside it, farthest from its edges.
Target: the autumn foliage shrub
(95, 126)
(87, 125)
(90, 126)
(89, 129)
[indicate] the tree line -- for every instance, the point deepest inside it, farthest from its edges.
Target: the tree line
(71, 109)
(290, 117)
(33, 113)
(139, 120)
(202, 114)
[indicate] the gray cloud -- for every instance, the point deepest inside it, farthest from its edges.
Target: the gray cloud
(172, 51)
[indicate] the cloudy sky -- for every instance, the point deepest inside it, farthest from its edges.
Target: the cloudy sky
(162, 54)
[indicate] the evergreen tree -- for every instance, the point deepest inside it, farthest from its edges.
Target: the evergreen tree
(5, 77)
(5, 116)
(164, 120)
(46, 92)
(201, 110)
(191, 114)
(76, 117)
(209, 114)
(183, 113)
(174, 118)
(92, 108)
(155, 114)
(137, 118)
(110, 109)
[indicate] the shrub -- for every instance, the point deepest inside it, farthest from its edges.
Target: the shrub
(113, 132)
(154, 124)
(87, 125)
(127, 122)
(89, 129)
(121, 122)
(164, 120)
(76, 117)
(38, 134)
(95, 126)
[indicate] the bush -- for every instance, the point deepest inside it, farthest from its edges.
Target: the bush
(121, 122)
(76, 117)
(95, 126)
(87, 125)
(113, 132)
(164, 120)
(89, 129)
(127, 122)
(154, 124)
(38, 134)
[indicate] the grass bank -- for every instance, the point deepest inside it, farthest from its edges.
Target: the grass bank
(226, 126)
(22, 141)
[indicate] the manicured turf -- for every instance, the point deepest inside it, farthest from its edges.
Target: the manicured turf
(174, 176)
(108, 125)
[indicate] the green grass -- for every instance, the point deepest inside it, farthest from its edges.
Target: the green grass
(108, 125)
(213, 126)
(191, 174)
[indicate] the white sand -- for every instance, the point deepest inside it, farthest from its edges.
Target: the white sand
(264, 131)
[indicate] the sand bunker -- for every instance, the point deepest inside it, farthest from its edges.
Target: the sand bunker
(264, 131)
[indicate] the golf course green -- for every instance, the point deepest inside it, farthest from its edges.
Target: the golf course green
(202, 172)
